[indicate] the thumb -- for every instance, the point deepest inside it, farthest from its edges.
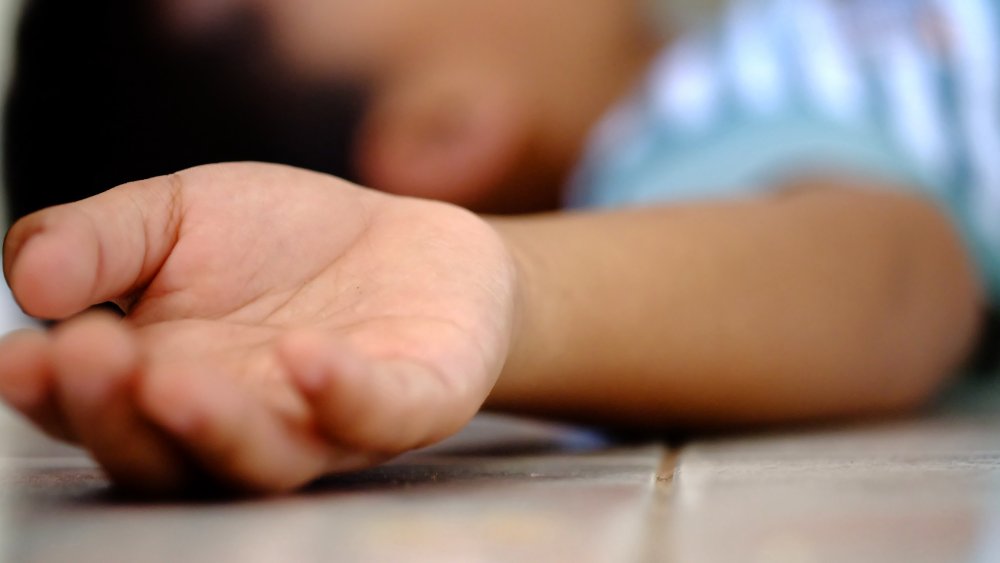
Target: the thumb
(62, 260)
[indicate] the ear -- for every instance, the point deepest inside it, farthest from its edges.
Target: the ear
(451, 137)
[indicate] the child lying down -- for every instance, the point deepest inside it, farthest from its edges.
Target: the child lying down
(788, 214)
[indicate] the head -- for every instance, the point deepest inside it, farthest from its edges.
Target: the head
(485, 104)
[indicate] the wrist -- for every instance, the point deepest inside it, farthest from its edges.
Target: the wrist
(525, 312)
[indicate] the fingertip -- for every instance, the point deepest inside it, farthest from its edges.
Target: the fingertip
(308, 373)
(170, 402)
(12, 243)
(18, 234)
(229, 434)
(22, 337)
(314, 360)
(92, 356)
(25, 378)
(385, 406)
(97, 340)
(97, 368)
(51, 269)
(190, 401)
(27, 381)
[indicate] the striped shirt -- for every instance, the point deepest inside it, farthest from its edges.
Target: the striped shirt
(906, 91)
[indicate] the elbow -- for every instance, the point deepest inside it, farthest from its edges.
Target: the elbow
(933, 313)
(904, 384)
(902, 373)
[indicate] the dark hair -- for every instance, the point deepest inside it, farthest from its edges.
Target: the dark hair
(98, 98)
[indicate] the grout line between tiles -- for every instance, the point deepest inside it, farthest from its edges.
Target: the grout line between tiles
(656, 542)
(665, 471)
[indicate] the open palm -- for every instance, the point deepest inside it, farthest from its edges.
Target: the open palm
(280, 325)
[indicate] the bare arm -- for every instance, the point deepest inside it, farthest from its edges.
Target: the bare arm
(820, 302)
(309, 326)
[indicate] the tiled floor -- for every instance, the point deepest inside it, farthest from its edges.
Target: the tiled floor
(926, 489)
(506, 490)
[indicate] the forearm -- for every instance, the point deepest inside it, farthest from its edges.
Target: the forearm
(816, 303)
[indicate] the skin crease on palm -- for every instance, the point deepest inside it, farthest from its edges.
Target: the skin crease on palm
(273, 334)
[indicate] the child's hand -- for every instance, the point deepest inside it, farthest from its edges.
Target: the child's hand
(280, 325)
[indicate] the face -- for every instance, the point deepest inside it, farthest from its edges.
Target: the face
(519, 81)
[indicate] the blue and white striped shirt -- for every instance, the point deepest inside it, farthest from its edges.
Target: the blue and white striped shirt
(906, 91)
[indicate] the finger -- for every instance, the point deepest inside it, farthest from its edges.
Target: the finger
(61, 260)
(27, 381)
(386, 406)
(96, 363)
(233, 436)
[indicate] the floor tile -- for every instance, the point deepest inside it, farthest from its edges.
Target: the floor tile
(504, 490)
(926, 489)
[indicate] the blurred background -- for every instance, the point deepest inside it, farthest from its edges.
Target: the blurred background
(9, 11)
(102, 94)
(10, 317)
